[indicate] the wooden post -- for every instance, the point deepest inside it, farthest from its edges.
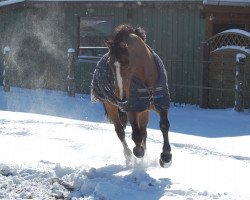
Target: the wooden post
(239, 86)
(6, 69)
(71, 72)
(204, 75)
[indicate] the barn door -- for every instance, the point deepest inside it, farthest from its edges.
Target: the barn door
(219, 63)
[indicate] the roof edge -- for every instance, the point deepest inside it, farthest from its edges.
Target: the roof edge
(10, 2)
(243, 3)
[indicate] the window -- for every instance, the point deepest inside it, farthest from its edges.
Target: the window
(94, 31)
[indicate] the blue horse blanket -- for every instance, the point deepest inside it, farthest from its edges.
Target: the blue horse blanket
(140, 96)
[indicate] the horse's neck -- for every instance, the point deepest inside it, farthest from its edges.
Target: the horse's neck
(143, 60)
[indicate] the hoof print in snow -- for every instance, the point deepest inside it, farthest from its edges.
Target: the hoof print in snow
(58, 191)
(63, 183)
(6, 172)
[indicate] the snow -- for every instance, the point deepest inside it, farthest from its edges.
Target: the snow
(237, 31)
(240, 56)
(71, 50)
(10, 2)
(55, 146)
(234, 47)
(6, 50)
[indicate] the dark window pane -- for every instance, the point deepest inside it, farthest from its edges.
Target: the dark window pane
(95, 30)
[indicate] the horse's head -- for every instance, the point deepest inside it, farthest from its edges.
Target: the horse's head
(118, 45)
(119, 56)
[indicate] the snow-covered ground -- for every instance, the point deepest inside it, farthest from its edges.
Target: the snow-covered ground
(55, 146)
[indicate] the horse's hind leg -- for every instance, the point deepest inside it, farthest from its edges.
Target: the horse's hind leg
(113, 115)
(166, 155)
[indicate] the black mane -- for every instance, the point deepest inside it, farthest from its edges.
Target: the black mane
(116, 44)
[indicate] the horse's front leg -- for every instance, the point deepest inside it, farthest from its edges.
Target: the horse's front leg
(166, 155)
(139, 123)
(113, 115)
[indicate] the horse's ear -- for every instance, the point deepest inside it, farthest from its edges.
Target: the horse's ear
(109, 44)
(141, 33)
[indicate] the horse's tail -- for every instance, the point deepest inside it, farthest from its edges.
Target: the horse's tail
(122, 116)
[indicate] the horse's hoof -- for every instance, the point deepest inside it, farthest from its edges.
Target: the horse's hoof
(166, 160)
(138, 151)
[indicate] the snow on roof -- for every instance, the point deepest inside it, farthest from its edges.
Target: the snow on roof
(16, 1)
(10, 2)
(127, 0)
(227, 2)
(205, 2)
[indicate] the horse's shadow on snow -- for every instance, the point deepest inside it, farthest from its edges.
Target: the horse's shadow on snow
(118, 182)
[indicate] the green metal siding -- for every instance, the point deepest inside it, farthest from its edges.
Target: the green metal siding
(174, 32)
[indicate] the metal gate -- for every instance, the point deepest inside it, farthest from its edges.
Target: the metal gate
(221, 56)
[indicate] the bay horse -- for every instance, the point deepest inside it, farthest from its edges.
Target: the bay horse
(130, 80)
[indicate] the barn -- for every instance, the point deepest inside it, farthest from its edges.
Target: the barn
(39, 34)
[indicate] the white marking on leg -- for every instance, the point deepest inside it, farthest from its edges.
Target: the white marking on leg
(127, 152)
(119, 78)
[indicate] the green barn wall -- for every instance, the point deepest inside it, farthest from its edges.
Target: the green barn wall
(174, 32)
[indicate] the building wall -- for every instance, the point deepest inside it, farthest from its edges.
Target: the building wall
(174, 32)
